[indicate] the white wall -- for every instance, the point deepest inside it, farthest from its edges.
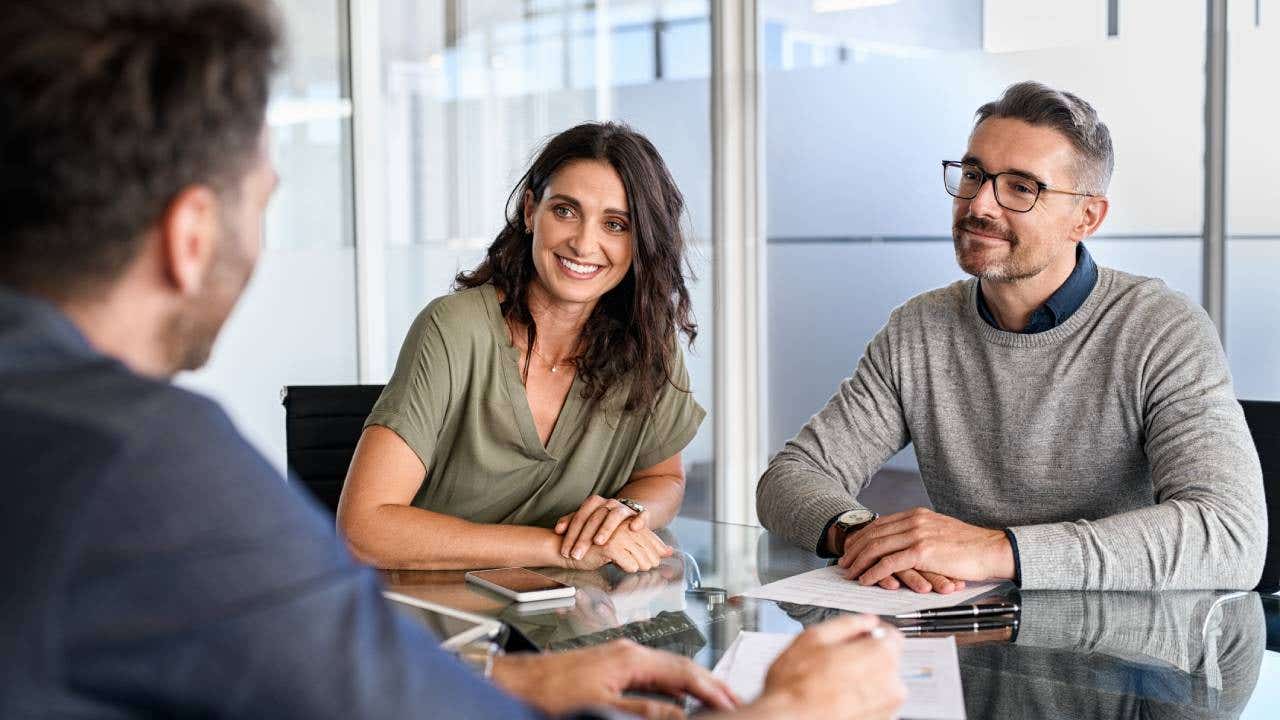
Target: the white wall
(295, 325)
(1253, 176)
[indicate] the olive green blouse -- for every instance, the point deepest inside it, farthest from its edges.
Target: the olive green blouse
(457, 399)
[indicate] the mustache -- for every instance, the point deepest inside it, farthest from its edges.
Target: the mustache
(983, 226)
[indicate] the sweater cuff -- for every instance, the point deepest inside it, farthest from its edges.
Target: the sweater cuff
(1052, 619)
(816, 514)
(1017, 560)
(1050, 557)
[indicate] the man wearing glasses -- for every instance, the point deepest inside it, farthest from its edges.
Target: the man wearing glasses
(1075, 425)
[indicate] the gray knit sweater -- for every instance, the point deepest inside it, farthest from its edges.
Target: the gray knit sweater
(1112, 445)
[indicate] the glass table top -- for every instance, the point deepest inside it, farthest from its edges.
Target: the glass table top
(1073, 655)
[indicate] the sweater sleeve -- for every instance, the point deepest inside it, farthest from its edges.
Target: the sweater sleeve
(1208, 526)
(820, 471)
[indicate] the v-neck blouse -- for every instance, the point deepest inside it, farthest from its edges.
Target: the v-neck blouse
(456, 398)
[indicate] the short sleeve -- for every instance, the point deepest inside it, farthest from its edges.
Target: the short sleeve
(416, 399)
(674, 421)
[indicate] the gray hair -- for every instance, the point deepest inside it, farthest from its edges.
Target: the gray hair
(1038, 104)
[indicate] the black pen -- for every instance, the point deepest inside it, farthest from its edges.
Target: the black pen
(962, 611)
(956, 627)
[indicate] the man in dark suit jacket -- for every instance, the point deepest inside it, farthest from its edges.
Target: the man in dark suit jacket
(154, 564)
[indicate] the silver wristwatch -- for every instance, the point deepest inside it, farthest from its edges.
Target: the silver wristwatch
(853, 520)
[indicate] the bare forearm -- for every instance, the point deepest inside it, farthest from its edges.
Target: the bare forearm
(409, 538)
(661, 496)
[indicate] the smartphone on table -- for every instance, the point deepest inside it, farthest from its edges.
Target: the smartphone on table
(520, 584)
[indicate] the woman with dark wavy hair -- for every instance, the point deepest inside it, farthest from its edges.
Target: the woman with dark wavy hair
(537, 414)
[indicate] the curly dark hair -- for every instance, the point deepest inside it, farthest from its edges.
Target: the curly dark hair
(631, 333)
(108, 110)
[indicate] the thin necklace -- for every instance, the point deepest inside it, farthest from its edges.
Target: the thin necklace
(555, 367)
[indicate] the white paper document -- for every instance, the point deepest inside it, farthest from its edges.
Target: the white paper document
(826, 587)
(745, 664)
(930, 670)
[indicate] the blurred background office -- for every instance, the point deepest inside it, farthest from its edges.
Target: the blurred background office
(806, 136)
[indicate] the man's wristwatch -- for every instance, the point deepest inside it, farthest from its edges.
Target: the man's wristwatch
(850, 522)
(853, 520)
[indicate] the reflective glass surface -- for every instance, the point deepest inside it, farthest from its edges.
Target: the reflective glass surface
(1075, 654)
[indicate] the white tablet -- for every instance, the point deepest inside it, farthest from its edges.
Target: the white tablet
(455, 628)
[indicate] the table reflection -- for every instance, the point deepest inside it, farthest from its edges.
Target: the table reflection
(1121, 655)
(1073, 654)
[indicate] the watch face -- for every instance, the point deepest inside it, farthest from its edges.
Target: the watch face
(856, 517)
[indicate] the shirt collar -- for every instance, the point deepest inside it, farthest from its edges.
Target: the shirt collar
(33, 327)
(1062, 304)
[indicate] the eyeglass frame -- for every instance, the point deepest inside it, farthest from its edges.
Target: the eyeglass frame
(1040, 186)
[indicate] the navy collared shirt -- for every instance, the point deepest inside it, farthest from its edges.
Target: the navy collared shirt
(1062, 304)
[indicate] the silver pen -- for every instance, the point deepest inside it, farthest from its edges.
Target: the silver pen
(959, 627)
(962, 611)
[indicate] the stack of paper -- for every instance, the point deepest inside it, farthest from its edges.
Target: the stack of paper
(930, 670)
(827, 587)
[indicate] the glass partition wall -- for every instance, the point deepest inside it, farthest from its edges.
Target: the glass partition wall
(389, 190)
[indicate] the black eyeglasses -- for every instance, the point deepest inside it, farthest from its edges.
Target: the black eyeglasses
(1015, 192)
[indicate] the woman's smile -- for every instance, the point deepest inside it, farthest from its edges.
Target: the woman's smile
(576, 270)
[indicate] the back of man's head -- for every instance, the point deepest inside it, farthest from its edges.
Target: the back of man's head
(1038, 104)
(108, 109)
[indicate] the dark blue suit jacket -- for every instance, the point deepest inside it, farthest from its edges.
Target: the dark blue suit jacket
(153, 564)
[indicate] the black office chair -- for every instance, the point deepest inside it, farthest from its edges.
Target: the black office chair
(322, 426)
(1264, 425)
